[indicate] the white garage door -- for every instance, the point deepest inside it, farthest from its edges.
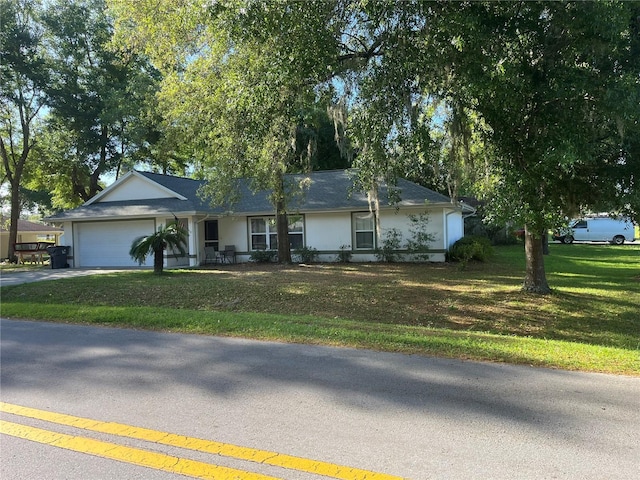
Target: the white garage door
(107, 244)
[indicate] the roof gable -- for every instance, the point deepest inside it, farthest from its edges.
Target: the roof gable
(134, 186)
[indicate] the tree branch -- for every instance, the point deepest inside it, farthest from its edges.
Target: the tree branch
(374, 50)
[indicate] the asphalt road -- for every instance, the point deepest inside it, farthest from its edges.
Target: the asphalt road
(408, 416)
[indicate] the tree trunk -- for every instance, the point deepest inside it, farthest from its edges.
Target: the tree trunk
(15, 215)
(535, 280)
(158, 261)
(15, 177)
(94, 179)
(282, 222)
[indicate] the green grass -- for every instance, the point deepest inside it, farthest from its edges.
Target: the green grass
(591, 322)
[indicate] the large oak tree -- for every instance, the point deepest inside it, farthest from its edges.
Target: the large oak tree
(559, 86)
(99, 101)
(555, 86)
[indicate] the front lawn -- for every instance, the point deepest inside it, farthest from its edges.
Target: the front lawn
(590, 322)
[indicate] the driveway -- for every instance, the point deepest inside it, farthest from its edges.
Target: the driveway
(40, 274)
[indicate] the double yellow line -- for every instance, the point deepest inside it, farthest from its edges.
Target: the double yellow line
(163, 462)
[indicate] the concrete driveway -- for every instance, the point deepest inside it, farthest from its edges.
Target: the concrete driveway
(40, 274)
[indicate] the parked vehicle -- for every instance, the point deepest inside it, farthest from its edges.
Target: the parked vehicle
(597, 229)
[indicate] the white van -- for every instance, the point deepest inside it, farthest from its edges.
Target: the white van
(598, 229)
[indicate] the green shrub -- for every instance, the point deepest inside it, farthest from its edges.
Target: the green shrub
(420, 241)
(306, 254)
(390, 246)
(498, 234)
(344, 254)
(263, 256)
(470, 248)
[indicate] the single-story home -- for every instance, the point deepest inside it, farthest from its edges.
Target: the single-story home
(328, 217)
(28, 232)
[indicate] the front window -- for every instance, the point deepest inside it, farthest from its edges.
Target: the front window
(260, 234)
(296, 232)
(264, 232)
(364, 230)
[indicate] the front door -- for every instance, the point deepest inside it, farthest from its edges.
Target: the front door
(211, 238)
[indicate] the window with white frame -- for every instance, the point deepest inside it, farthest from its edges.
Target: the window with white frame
(296, 231)
(263, 232)
(364, 230)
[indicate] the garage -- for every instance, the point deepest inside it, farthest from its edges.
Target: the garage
(107, 244)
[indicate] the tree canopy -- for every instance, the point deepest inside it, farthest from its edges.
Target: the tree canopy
(247, 82)
(539, 97)
(23, 74)
(72, 108)
(559, 88)
(533, 105)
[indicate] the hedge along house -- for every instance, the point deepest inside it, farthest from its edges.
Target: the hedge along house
(328, 216)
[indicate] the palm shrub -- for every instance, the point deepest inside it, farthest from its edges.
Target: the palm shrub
(173, 236)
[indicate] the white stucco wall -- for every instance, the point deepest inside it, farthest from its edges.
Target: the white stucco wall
(454, 227)
(399, 220)
(173, 257)
(233, 231)
(66, 239)
(328, 231)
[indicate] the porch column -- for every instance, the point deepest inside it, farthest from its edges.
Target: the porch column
(194, 235)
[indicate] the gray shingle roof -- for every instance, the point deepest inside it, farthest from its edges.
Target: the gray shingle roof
(27, 226)
(127, 208)
(328, 190)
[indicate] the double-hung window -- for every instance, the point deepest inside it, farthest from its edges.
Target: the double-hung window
(263, 232)
(364, 230)
(296, 231)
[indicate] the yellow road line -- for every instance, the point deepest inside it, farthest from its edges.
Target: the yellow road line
(135, 456)
(197, 444)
